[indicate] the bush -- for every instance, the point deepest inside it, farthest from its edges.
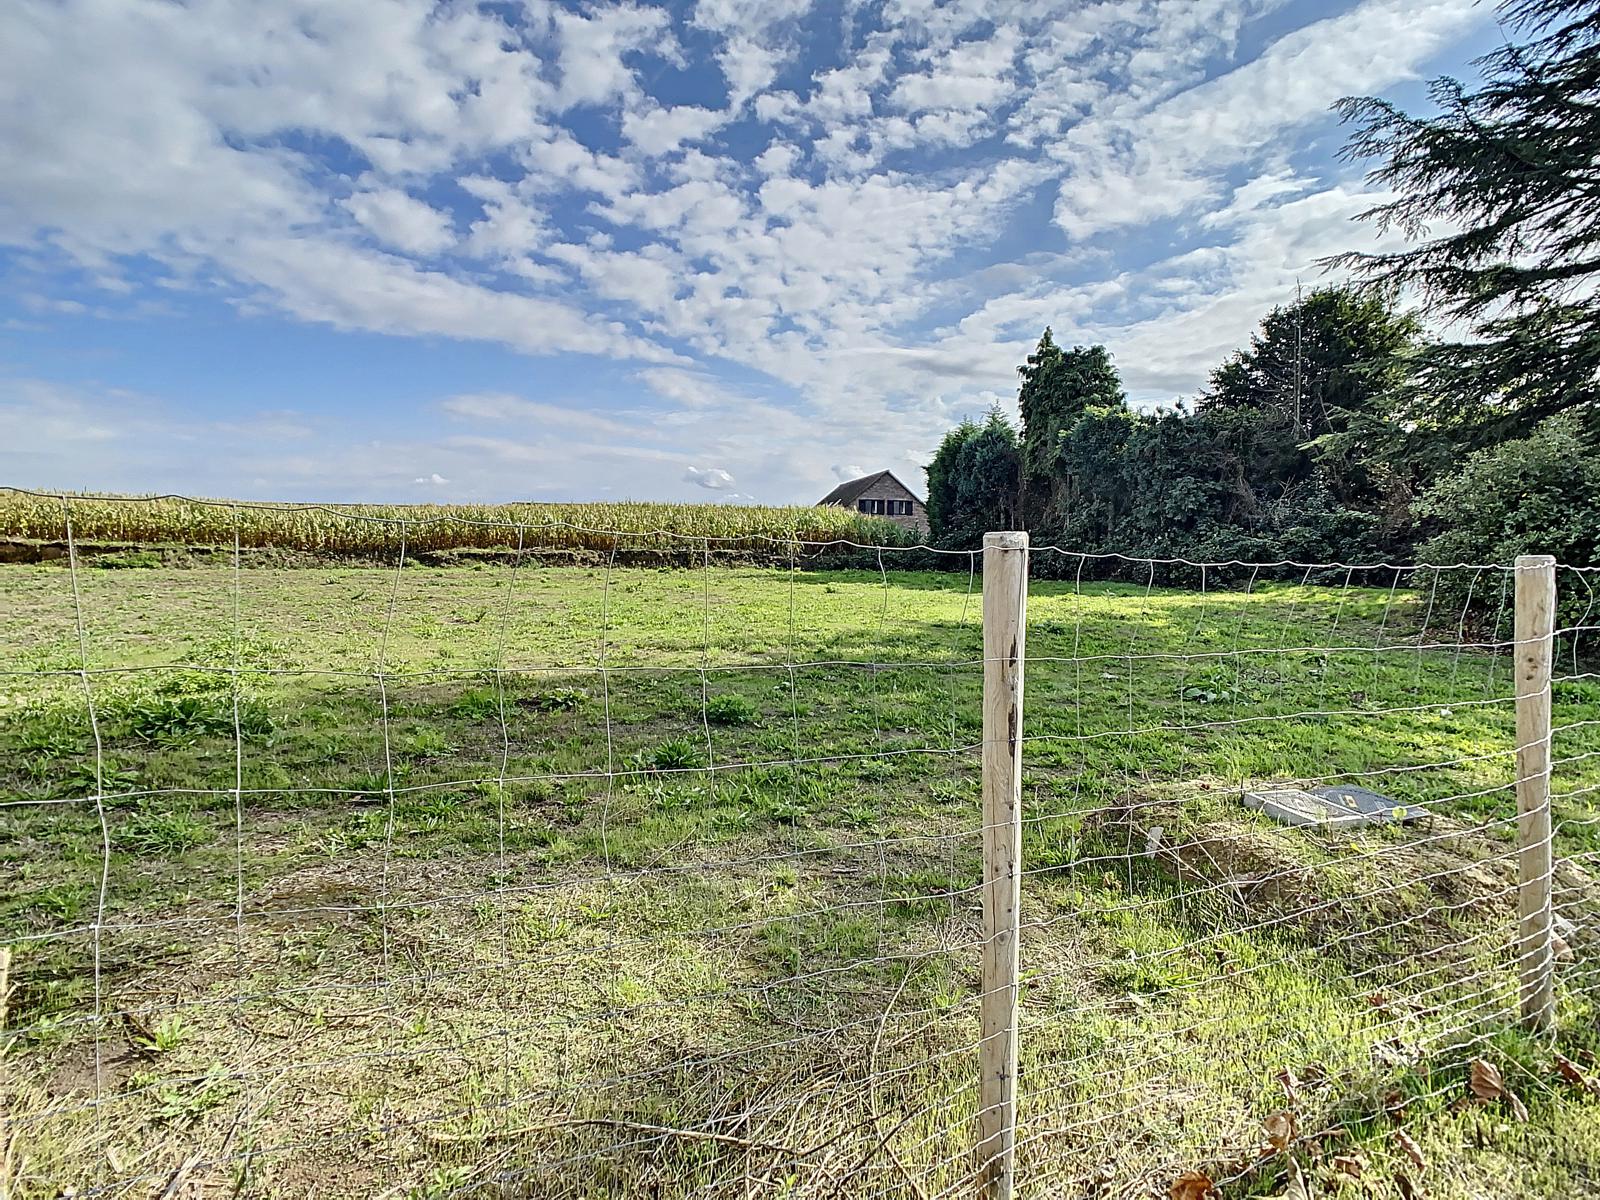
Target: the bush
(560, 699)
(1305, 526)
(162, 833)
(973, 482)
(163, 718)
(1536, 495)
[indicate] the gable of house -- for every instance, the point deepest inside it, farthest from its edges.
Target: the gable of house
(880, 495)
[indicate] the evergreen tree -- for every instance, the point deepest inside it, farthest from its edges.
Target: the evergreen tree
(1057, 387)
(1512, 170)
(1319, 381)
(973, 482)
(1036, 398)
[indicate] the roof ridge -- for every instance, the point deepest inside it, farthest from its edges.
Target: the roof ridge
(850, 490)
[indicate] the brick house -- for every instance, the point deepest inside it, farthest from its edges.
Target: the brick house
(881, 495)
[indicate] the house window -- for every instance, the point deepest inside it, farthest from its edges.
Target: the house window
(892, 508)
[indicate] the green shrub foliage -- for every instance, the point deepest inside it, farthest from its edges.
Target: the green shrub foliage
(974, 482)
(1534, 495)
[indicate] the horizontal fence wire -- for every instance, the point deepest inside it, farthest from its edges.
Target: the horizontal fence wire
(533, 877)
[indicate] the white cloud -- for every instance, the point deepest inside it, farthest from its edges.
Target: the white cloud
(691, 389)
(433, 480)
(355, 289)
(713, 478)
(757, 40)
(39, 415)
(535, 416)
(969, 75)
(1135, 165)
(511, 229)
(193, 174)
(401, 221)
(658, 131)
(1265, 243)
(592, 49)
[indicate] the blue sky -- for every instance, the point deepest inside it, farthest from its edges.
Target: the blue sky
(730, 250)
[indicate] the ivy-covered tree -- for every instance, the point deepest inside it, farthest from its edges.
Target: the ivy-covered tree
(1511, 172)
(974, 482)
(1057, 387)
(1094, 498)
(1320, 379)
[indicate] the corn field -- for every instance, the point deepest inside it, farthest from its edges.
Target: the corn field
(362, 529)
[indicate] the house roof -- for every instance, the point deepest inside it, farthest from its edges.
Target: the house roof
(849, 492)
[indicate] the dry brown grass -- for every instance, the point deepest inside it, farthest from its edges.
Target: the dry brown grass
(583, 1037)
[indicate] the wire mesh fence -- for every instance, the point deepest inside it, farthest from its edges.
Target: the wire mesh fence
(533, 878)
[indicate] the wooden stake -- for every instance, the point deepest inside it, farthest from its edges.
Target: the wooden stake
(1005, 603)
(1535, 623)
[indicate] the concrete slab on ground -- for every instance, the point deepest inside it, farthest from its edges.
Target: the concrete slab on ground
(1331, 807)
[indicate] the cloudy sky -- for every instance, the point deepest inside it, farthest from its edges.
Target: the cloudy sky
(729, 249)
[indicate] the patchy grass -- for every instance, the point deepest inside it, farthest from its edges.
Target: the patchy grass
(556, 881)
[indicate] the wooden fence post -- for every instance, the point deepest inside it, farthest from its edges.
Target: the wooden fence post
(1535, 623)
(1005, 603)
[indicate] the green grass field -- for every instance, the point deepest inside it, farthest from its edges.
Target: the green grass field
(558, 881)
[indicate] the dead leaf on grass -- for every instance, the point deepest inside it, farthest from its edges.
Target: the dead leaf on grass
(1280, 1128)
(1192, 1185)
(1295, 1186)
(1413, 1151)
(1408, 1189)
(1569, 1071)
(1352, 1165)
(1486, 1082)
(1291, 1087)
